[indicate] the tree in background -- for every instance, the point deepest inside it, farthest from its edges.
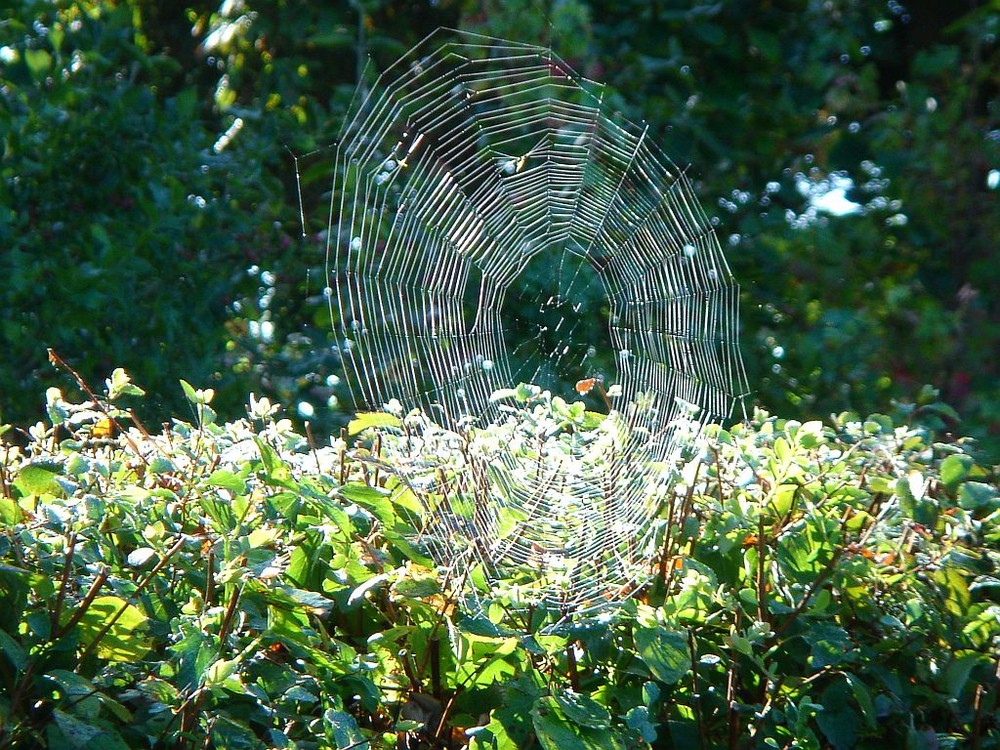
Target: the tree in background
(850, 151)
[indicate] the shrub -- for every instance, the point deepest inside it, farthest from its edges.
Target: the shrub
(832, 586)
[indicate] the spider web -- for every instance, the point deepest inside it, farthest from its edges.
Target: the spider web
(491, 224)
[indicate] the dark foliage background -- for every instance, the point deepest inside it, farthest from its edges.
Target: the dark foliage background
(148, 209)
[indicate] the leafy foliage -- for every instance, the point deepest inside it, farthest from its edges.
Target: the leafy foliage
(829, 586)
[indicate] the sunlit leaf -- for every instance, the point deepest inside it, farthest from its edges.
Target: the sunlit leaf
(368, 420)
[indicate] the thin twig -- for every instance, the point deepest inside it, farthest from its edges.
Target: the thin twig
(57, 361)
(64, 581)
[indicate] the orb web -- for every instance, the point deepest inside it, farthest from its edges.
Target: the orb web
(498, 235)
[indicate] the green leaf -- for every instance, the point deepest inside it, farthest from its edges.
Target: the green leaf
(638, 720)
(120, 384)
(278, 473)
(220, 512)
(192, 655)
(583, 710)
(342, 730)
(556, 732)
(977, 496)
(39, 62)
(161, 465)
(77, 733)
(197, 396)
(830, 644)
(367, 420)
(11, 513)
(954, 469)
(957, 673)
(317, 604)
(122, 641)
(371, 499)
(665, 653)
(553, 731)
(863, 698)
(220, 674)
(189, 392)
(838, 720)
(13, 650)
(956, 596)
(783, 450)
(494, 736)
(39, 478)
(417, 587)
(227, 480)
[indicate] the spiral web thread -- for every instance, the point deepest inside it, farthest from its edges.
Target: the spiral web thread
(466, 161)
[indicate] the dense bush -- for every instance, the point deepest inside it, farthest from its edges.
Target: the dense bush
(831, 586)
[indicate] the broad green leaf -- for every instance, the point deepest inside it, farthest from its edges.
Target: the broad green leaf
(830, 644)
(11, 513)
(228, 480)
(39, 62)
(956, 596)
(123, 641)
(665, 652)
(957, 673)
(367, 420)
(77, 733)
(13, 650)
(556, 732)
(553, 731)
(978, 495)
(371, 499)
(220, 512)
(583, 710)
(232, 734)
(299, 567)
(494, 736)
(838, 720)
(954, 469)
(39, 478)
(197, 396)
(404, 498)
(158, 690)
(277, 470)
(863, 698)
(81, 693)
(342, 729)
(316, 603)
(120, 384)
(650, 692)
(192, 655)
(220, 674)
(783, 450)
(638, 720)
(417, 587)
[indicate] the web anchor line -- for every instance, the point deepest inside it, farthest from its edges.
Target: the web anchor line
(533, 277)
